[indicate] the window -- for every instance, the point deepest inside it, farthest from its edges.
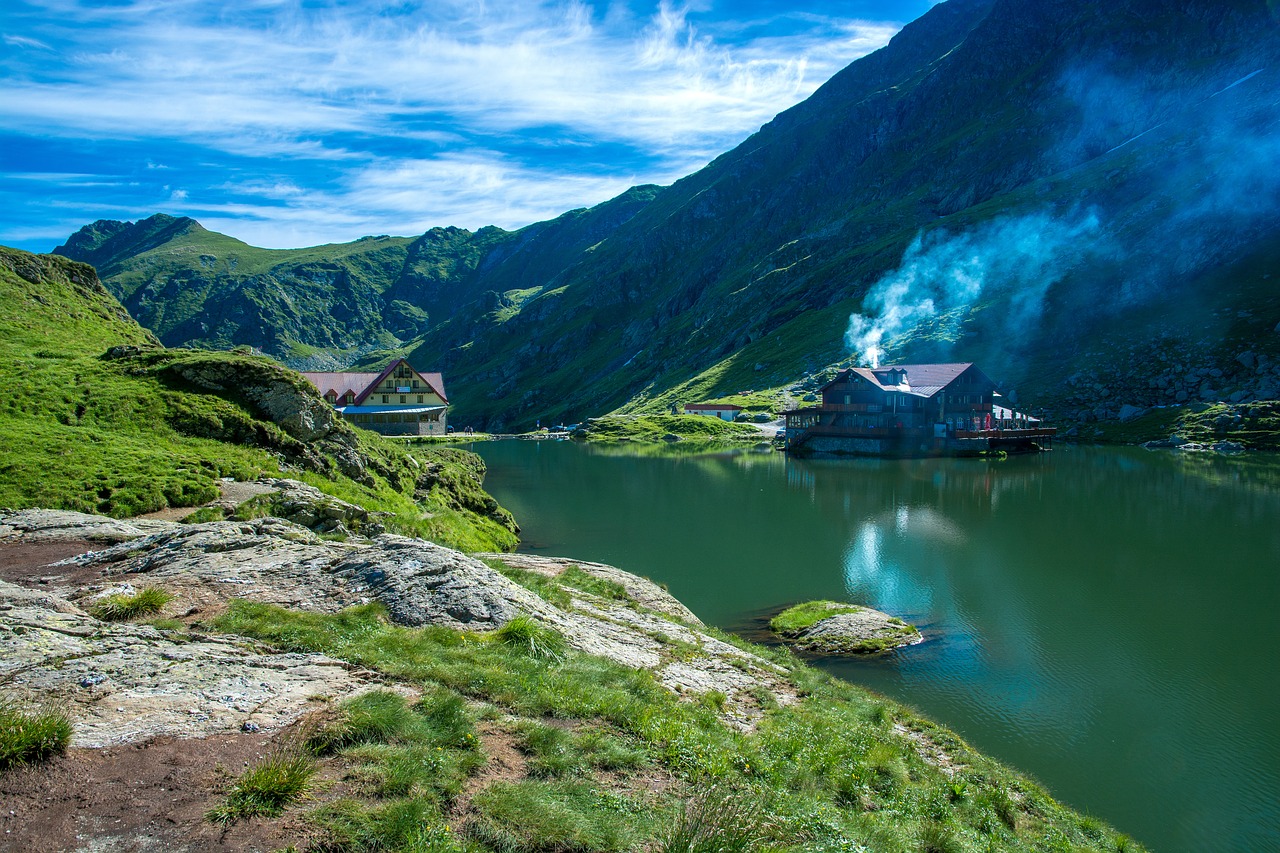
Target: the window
(384, 398)
(419, 398)
(403, 399)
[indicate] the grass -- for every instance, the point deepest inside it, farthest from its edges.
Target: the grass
(122, 607)
(795, 619)
(652, 428)
(125, 436)
(536, 815)
(266, 788)
(30, 736)
(718, 820)
(530, 637)
(829, 773)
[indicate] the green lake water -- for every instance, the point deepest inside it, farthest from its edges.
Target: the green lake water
(1105, 620)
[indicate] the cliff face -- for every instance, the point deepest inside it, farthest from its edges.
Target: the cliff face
(1055, 179)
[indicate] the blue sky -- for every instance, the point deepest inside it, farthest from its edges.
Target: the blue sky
(294, 122)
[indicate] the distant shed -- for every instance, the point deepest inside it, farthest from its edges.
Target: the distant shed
(723, 411)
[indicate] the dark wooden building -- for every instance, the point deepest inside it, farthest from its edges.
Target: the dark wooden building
(910, 410)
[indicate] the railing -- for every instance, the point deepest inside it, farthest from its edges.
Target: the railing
(1036, 432)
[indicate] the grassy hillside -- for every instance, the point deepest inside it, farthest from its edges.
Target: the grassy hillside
(140, 428)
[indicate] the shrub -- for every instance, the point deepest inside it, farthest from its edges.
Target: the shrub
(26, 737)
(121, 607)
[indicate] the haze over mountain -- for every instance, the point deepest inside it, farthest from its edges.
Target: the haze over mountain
(1058, 190)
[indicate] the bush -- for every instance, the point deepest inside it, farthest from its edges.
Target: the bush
(123, 607)
(28, 737)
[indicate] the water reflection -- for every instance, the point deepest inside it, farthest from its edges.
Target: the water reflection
(1103, 619)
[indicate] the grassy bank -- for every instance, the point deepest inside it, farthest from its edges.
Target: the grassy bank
(610, 760)
(655, 428)
(1256, 425)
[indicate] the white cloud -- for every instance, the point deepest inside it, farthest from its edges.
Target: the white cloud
(407, 105)
(177, 70)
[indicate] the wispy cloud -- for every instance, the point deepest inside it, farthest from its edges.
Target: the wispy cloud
(467, 90)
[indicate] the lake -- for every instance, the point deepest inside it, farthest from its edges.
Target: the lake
(1103, 619)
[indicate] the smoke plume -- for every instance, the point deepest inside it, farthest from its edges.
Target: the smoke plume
(942, 271)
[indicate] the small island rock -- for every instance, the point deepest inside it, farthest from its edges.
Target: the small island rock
(833, 628)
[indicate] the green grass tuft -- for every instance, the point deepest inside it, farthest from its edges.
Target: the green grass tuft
(30, 736)
(267, 788)
(122, 607)
(718, 820)
(532, 638)
(515, 817)
(795, 619)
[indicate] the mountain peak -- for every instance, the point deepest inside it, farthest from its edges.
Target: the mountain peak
(107, 241)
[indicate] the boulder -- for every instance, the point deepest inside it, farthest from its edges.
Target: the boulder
(422, 583)
(850, 629)
(1129, 412)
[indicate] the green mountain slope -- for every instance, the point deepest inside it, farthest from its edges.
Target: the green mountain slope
(1044, 187)
(325, 306)
(100, 418)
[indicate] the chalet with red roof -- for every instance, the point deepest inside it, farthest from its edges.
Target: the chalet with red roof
(913, 410)
(397, 401)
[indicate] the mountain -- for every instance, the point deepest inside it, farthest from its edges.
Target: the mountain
(1060, 190)
(322, 307)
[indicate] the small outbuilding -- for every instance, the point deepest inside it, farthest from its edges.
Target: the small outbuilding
(723, 411)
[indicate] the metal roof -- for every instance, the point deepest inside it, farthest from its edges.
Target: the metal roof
(389, 410)
(922, 380)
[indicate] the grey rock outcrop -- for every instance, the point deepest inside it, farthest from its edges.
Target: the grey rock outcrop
(57, 524)
(123, 683)
(641, 590)
(285, 400)
(308, 506)
(274, 561)
(425, 584)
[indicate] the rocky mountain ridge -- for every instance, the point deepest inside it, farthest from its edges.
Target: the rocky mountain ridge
(1054, 180)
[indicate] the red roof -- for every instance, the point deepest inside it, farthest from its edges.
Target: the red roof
(363, 384)
(718, 407)
(340, 383)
